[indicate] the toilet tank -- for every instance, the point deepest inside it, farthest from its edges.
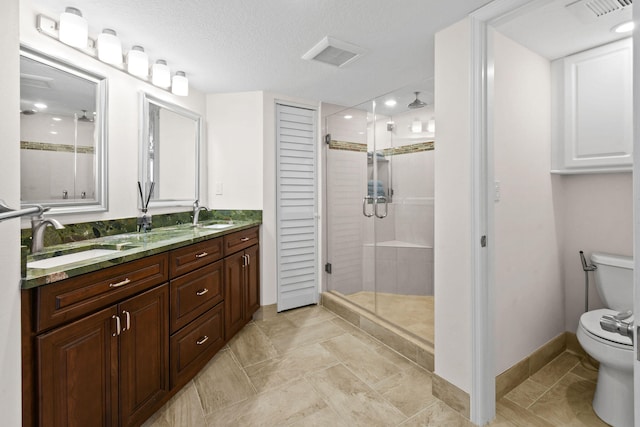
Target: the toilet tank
(614, 280)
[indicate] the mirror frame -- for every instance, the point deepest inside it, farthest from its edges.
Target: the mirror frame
(101, 177)
(146, 100)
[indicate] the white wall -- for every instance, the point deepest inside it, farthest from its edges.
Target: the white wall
(529, 297)
(10, 386)
(452, 253)
(598, 217)
(235, 122)
(123, 119)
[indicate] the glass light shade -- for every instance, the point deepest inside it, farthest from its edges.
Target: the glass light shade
(180, 84)
(138, 62)
(416, 126)
(109, 47)
(73, 28)
(160, 74)
(431, 126)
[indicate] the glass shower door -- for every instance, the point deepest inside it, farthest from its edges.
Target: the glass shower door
(379, 198)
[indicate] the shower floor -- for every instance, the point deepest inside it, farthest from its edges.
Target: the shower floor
(413, 313)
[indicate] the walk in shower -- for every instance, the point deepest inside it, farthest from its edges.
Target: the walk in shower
(379, 206)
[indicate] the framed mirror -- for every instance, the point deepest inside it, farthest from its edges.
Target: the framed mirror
(169, 153)
(63, 138)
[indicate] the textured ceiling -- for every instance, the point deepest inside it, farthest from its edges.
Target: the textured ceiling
(245, 45)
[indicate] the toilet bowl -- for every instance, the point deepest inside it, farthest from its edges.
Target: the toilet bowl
(613, 399)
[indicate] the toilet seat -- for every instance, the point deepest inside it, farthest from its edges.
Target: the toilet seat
(590, 323)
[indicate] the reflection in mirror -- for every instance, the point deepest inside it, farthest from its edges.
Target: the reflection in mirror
(170, 149)
(62, 135)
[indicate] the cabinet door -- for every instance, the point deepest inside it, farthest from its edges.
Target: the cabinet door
(233, 294)
(144, 354)
(78, 373)
(252, 278)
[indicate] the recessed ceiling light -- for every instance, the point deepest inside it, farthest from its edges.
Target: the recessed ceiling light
(390, 102)
(40, 105)
(53, 132)
(348, 116)
(625, 27)
(56, 119)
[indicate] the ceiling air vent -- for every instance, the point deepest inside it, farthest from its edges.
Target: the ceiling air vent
(590, 10)
(334, 52)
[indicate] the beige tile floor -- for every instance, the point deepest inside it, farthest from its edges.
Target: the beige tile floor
(413, 313)
(308, 367)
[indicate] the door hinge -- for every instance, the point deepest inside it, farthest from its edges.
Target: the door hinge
(327, 138)
(327, 267)
(483, 241)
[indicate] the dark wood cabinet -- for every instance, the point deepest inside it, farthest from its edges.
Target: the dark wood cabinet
(114, 359)
(110, 347)
(78, 373)
(144, 354)
(242, 279)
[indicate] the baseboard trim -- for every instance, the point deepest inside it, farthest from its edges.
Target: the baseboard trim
(454, 397)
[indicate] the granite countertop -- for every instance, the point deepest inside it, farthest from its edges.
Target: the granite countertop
(119, 249)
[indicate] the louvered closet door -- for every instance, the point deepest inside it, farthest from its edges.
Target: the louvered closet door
(297, 206)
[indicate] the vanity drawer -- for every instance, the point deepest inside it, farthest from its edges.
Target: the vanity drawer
(72, 298)
(194, 293)
(240, 240)
(193, 346)
(195, 256)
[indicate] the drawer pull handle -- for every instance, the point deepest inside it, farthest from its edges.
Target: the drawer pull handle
(128, 322)
(117, 285)
(202, 292)
(244, 239)
(202, 255)
(202, 340)
(118, 328)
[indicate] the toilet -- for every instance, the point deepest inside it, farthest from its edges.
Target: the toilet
(613, 400)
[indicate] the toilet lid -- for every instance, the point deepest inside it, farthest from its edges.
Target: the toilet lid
(590, 321)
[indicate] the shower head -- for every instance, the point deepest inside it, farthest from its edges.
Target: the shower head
(84, 117)
(417, 103)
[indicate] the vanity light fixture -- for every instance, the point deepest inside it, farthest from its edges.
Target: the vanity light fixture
(138, 62)
(109, 47)
(160, 74)
(416, 126)
(180, 84)
(74, 29)
(625, 27)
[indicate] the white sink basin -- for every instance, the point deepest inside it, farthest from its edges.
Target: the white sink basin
(218, 226)
(69, 258)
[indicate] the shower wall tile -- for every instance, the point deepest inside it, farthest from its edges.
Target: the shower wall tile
(415, 271)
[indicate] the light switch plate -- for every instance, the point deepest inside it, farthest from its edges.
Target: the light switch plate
(218, 189)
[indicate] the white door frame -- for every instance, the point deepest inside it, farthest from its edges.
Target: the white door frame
(482, 256)
(636, 205)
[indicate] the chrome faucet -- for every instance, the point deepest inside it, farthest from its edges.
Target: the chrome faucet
(38, 225)
(196, 212)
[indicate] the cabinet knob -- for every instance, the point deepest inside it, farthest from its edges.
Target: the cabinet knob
(126, 281)
(202, 340)
(202, 255)
(202, 292)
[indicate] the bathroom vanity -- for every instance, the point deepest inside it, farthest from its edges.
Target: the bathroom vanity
(107, 341)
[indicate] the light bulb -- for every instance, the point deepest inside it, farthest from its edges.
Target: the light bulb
(160, 74)
(109, 47)
(180, 84)
(74, 29)
(138, 62)
(416, 126)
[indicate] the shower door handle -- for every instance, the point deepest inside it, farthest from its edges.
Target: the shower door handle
(370, 200)
(381, 200)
